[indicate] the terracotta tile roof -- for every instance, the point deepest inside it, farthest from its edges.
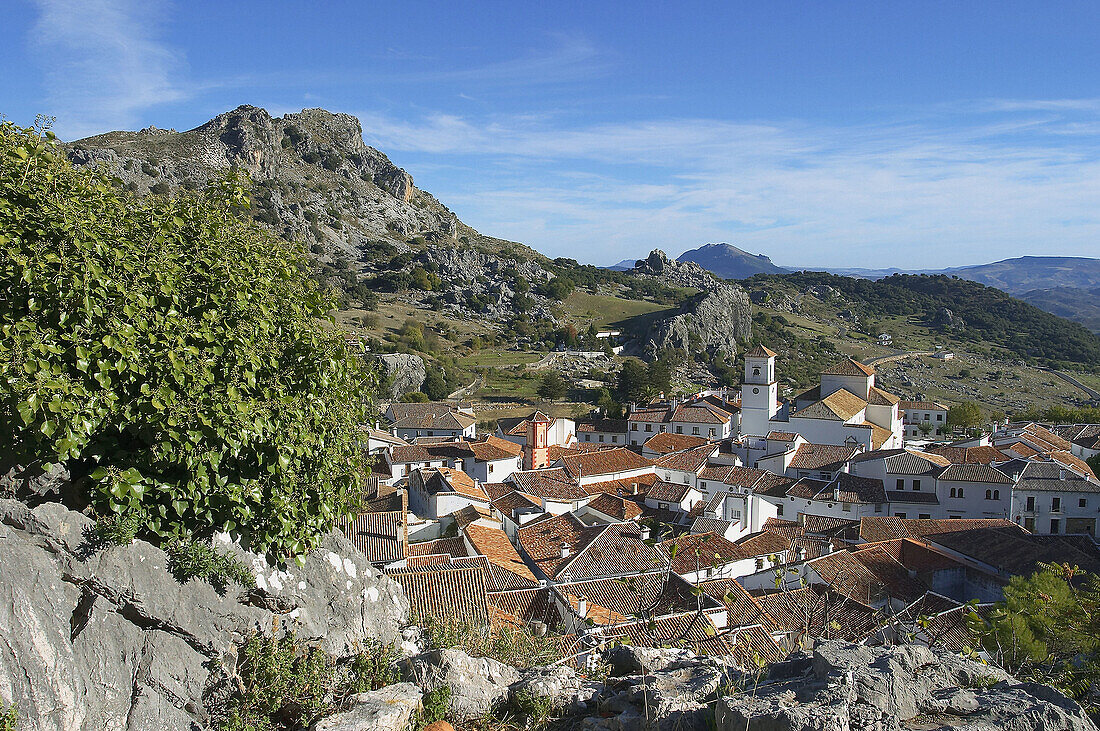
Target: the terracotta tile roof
(408, 453)
(772, 485)
(653, 592)
(1051, 476)
(609, 426)
(651, 415)
(513, 426)
(1020, 449)
(826, 457)
(868, 577)
(495, 546)
(689, 460)
(471, 514)
(787, 528)
(763, 543)
(486, 452)
(1014, 551)
(527, 605)
(851, 489)
(446, 546)
(711, 525)
(428, 416)
(879, 435)
(745, 476)
(447, 594)
(637, 485)
(912, 498)
(691, 630)
(972, 455)
(1046, 436)
(840, 405)
(878, 397)
(904, 461)
(515, 500)
(697, 551)
(554, 483)
(874, 529)
(974, 473)
(754, 641)
(443, 480)
(849, 367)
(817, 612)
(716, 472)
(1073, 462)
(616, 550)
(742, 607)
(827, 525)
(508, 446)
(380, 536)
(665, 442)
(667, 492)
(759, 351)
(615, 507)
(781, 436)
(542, 541)
(605, 462)
(700, 412)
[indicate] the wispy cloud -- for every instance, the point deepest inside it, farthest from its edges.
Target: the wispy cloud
(909, 192)
(104, 62)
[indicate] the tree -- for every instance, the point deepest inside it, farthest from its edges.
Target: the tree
(633, 381)
(435, 385)
(966, 414)
(925, 428)
(659, 374)
(176, 359)
(1094, 463)
(552, 386)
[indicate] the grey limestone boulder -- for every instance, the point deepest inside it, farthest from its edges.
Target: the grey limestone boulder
(854, 688)
(105, 638)
(478, 684)
(403, 373)
(393, 708)
(565, 691)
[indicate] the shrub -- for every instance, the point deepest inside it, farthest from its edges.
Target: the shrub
(172, 355)
(9, 717)
(436, 703)
(194, 560)
(160, 188)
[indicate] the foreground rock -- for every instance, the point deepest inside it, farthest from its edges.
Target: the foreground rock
(393, 708)
(96, 638)
(478, 685)
(844, 686)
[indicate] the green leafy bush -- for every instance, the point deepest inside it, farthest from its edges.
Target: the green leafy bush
(173, 354)
(9, 717)
(195, 560)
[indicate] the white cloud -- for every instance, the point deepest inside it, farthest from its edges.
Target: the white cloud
(103, 62)
(954, 189)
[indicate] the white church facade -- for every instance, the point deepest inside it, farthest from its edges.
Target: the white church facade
(845, 409)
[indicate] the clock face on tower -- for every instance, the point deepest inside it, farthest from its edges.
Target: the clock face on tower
(756, 390)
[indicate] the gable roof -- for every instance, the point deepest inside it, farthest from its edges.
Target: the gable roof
(616, 550)
(668, 492)
(380, 536)
(700, 412)
(974, 473)
(688, 460)
(827, 457)
(879, 397)
(759, 351)
(653, 592)
(445, 480)
(905, 461)
(610, 426)
(493, 543)
(712, 550)
(604, 462)
(432, 415)
(542, 541)
(447, 593)
(1012, 551)
(921, 406)
(615, 507)
(848, 367)
(970, 455)
(876, 528)
(840, 405)
(665, 442)
(553, 483)
(651, 414)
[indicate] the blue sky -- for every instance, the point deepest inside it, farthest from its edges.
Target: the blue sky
(909, 134)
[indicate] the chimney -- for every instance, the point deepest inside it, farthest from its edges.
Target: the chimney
(566, 549)
(582, 607)
(644, 532)
(619, 492)
(836, 493)
(634, 488)
(1061, 474)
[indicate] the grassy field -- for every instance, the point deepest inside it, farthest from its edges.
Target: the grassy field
(584, 308)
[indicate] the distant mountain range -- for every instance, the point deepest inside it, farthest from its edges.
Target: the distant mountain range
(1066, 286)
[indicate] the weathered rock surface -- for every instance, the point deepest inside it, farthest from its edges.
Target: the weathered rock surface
(713, 322)
(675, 273)
(567, 692)
(478, 684)
(403, 373)
(314, 177)
(95, 638)
(393, 708)
(846, 687)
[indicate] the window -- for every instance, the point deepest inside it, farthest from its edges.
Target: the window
(649, 427)
(996, 494)
(614, 439)
(878, 507)
(587, 437)
(756, 371)
(953, 492)
(633, 427)
(1030, 503)
(925, 516)
(1054, 526)
(431, 433)
(899, 515)
(1055, 505)
(847, 507)
(759, 564)
(662, 506)
(916, 484)
(960, 492)
(711, 433)
(901, 484)
(601, 437)
(490, 468)
(988, 494)
(679, 429)
(1082, 503)
(779, 509)
(1029, 524)
(662, 428)
(939, 417)
(695, 430)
